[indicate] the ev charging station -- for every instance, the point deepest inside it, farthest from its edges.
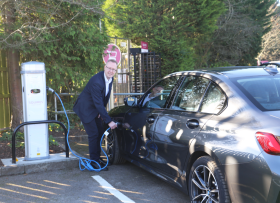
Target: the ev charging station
(34, 99)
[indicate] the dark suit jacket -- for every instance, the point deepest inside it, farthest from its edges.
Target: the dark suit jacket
(92, 100)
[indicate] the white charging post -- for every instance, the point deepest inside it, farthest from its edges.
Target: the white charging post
(34, 97)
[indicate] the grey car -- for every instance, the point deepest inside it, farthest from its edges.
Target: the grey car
(214, 134)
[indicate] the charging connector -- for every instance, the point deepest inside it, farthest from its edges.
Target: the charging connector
(50, 89)
(119, 125)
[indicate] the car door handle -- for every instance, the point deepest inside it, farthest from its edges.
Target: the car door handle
(192, 123)
(150, 119)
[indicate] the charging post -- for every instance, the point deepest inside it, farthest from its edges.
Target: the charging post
(34, 97)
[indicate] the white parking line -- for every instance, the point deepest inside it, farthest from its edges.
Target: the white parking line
(107, 186)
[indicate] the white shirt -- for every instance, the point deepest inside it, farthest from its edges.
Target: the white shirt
(107, 82)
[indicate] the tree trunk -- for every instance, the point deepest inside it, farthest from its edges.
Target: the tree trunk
(14, 75)
(15, 88)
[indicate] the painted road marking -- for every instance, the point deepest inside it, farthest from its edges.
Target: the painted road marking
(107, 186)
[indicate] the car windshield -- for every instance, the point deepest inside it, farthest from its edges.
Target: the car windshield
(263, 91)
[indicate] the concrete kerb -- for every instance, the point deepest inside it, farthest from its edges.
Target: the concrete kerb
(55, 162)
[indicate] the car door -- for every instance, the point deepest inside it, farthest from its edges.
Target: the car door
(184, 119)
(139, 121)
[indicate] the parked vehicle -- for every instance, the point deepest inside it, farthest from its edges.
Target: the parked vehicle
(214, 134)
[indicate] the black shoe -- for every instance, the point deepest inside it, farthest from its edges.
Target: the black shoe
(95, 166)
(102, 166)
(104, 162)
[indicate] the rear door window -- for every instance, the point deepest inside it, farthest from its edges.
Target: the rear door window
(214, 100)
(190, 94)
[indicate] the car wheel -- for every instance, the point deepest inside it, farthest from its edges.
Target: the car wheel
(206, 182)
(112, 148)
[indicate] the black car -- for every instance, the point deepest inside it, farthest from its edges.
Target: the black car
(214, 134)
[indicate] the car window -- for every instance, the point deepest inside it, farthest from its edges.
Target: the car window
(159, 93)
(190, 93)
(263, 91)
(214, 100)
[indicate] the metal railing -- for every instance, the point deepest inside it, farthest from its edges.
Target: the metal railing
(110, 106)
(132, 94)
(36, 122)
(55, 104)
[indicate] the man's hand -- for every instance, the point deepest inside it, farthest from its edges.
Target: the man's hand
(112, 125)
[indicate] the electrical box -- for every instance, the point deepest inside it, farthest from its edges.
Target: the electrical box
(34, 99)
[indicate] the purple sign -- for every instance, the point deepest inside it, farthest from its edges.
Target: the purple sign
(112, 52)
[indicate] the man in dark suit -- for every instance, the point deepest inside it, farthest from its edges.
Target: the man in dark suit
(90, 107)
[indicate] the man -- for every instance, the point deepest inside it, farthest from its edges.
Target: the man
(90, 107)
(155, 93)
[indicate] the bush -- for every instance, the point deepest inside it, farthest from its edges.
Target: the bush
(7, 136)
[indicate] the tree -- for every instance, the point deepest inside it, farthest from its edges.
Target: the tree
(238, 39)
(14, 75)
(64, 34)
(271, 41)
(171, 27)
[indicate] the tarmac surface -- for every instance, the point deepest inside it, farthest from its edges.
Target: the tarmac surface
(59, 179)
(73, 185)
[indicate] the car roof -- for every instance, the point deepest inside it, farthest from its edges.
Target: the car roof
(230, 71)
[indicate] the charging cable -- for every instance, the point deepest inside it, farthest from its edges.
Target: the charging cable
(84, 163)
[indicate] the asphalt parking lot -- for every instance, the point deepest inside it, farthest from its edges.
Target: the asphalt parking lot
(130, 183)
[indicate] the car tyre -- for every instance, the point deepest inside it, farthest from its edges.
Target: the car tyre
(112, 148)
(207, 183)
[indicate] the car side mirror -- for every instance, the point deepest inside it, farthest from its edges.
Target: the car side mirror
(130, 101)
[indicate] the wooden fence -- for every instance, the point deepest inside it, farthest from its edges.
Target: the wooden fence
(5, 104)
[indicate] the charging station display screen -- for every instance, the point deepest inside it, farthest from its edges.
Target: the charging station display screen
(35, 91)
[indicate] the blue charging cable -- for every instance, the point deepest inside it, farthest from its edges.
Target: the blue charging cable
(84, 163)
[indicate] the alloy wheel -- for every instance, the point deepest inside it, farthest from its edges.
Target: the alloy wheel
(204, 187)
